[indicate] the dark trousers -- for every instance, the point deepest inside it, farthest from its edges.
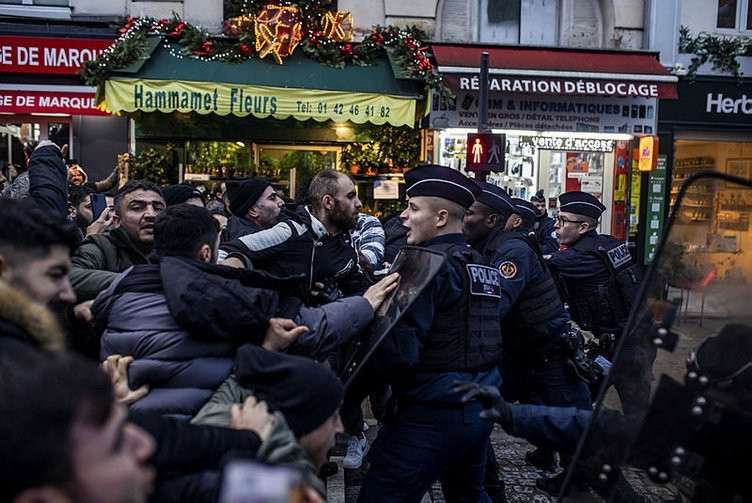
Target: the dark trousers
(426, 443)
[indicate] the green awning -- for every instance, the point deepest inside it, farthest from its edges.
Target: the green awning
(301, 88)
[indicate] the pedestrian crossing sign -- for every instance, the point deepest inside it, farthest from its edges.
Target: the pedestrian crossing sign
(485, 152)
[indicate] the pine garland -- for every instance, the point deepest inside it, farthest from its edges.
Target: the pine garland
(721, 51)
(237, 43)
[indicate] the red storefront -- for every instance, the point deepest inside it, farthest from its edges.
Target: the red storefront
(42, 97)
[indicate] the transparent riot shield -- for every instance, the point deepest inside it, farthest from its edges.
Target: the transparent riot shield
(673, 416)
(417, 267)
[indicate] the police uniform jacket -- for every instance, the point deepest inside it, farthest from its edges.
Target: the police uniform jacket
(399, 355)
(519, 266)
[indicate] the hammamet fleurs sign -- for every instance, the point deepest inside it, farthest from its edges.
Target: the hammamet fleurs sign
(259, 101)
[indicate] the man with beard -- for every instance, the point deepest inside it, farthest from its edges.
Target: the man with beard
(254, 206)
(79, 211)
(100, 258)
(314, 241)
(544, 225)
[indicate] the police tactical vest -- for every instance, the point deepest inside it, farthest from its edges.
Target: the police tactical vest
(606, 306)
(466, 337)
(524, 327)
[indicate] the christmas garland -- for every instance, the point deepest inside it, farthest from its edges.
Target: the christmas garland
(721, 51)
(237, 43)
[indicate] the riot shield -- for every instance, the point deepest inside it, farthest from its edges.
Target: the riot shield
(671, 416)
(417, 267)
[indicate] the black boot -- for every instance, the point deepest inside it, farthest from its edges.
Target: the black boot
(543, 459)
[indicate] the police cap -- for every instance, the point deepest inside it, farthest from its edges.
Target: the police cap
(440, 181)
(495, 198)
(581, 203)
(524, 208)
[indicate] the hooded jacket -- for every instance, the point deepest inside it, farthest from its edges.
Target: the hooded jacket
(99, 259)
(25, 324)
(182, 321)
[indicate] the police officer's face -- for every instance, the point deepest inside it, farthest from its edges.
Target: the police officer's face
(476, 225)
(569, 227)
(540, 206)
(420, 218)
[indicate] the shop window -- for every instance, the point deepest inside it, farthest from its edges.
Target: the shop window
(58, 133)
(219, 160)
(291, 166)
(734, 15)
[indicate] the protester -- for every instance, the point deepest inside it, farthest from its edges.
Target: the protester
(314, 241)
(182, 193)
(100, 258)
(254, 206)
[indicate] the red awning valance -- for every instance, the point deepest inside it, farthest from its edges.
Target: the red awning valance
(574, 72)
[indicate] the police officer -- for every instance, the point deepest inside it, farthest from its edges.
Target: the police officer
(544, 225)
(601, 282)
(534, 366)
(451, 332)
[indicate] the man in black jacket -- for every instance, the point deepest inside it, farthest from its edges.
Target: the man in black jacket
(35, 248)
(254, 206)
(313, 241)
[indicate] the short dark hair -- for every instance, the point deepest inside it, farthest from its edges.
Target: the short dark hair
(27, 229)
(323, 183)
(77, 194)
(42, 396)
(181, 230)
(132, 186)
(591, 222)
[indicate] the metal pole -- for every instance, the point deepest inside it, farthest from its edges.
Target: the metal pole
(483, 104)
(483, 98)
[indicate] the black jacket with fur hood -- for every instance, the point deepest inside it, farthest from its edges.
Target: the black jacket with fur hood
(25, 324)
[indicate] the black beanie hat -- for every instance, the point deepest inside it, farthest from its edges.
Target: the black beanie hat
(244, 193)
(180, 193)
(306, 392)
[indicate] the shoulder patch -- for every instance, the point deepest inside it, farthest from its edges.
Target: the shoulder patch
(619, 256)
(508, 269)
(484, 281)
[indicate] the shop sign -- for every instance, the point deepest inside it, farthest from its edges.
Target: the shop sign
(539, 112)
(654, 216)
(646, 148)
(711, 101)
(386, 189)
(48, 55)
(560, 86)
(559, 143)
(49, 102)
(260, 101)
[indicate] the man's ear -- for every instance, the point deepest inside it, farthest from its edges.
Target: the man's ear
(205, 253)
(44, 494)
(252, 212)
(115, 219)
(492, 220)
(72, 211)
(327, 202)
(442, 217)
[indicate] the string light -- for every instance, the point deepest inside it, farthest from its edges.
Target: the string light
(338, 26)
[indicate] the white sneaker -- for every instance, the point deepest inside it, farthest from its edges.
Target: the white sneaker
(357, 448)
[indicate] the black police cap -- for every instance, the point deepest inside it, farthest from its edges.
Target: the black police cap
(440, 181)
(496, 198)
(525, 208)
(581, 203)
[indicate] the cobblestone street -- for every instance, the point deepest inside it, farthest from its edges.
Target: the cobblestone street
(519, 477)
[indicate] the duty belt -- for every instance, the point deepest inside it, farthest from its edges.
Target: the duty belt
(539, 359)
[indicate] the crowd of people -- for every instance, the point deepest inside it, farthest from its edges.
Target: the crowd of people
(145, 349)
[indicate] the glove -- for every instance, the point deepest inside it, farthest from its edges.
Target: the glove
(496, 409)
